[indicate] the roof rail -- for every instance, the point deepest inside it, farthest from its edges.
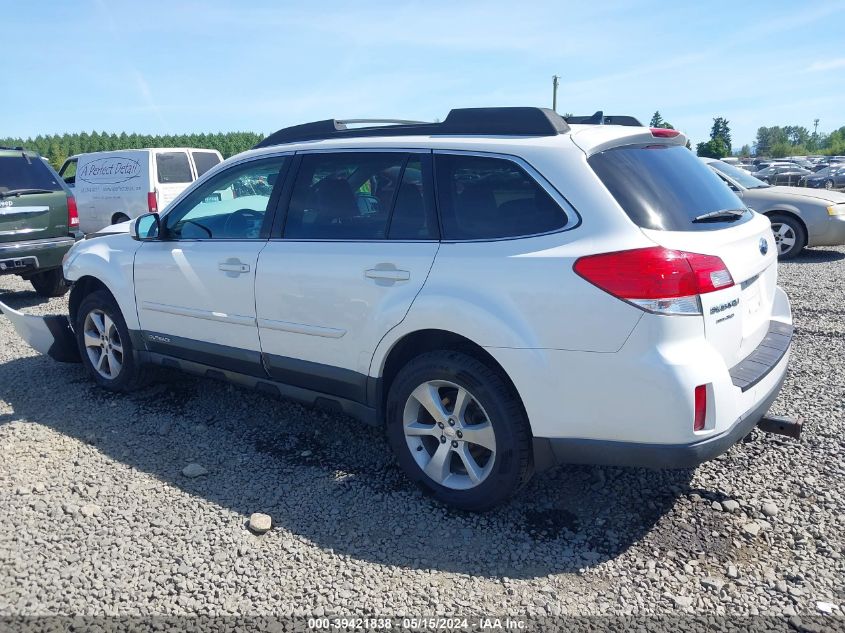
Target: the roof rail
(459, 122)
(599, 118)
(14, 149)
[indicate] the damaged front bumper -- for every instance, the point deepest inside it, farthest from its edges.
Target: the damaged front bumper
(51, 335)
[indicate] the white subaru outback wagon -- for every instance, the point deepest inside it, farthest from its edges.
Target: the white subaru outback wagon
(500, 292)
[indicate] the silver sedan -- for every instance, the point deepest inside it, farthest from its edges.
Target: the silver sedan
(800, 217)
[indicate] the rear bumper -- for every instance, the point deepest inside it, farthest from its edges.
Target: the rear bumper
(552, 451)
(32, 255)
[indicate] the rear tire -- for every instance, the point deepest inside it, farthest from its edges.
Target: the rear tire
(474, 451)
(50, 283)
(790, 236)
(105, 344)
(828, 184)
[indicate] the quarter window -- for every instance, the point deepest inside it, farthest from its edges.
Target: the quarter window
(232, 205)
(490, 198)
(344, 195)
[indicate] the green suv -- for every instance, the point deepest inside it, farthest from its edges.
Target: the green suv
(38, 220)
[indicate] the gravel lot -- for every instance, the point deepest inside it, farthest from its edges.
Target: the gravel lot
(97, 517)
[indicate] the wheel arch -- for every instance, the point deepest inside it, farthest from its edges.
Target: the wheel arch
(119, 214)
(83, 287)
(794, 213)
(418, 342)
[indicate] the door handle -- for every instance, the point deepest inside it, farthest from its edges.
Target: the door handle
(388, 275)
(233, 266)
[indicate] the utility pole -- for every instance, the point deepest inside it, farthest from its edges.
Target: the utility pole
(815, 127)
(555, 83)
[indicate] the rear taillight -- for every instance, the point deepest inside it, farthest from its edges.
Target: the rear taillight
(700, 408)
(72, 213)
(152, 202)
(662, 132)
(656, 279)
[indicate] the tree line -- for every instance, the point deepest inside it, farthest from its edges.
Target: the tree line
(57, 147)
(776, 142)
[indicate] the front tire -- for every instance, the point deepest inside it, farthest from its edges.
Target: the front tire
(105, 344)
(50, 283)
(790, 236)
(828, 184)
(459, 431)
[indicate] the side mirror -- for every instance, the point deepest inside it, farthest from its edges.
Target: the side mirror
(146, 227)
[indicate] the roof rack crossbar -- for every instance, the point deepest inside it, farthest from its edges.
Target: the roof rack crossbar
(514, 121)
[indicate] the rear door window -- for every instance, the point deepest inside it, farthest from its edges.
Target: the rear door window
(344, 195)
(484, 198)
(22, 171)
(204, 161)
(173, 167)
(666, 188)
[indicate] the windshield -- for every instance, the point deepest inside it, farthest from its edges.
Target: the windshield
(740, 176)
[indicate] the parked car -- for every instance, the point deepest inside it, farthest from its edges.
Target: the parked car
(38, 221)
(499, 304)
(799, 217)
(782, 174)
(830, 177)
(113, 187)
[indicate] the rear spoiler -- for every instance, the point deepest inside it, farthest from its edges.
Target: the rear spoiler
(600, 118)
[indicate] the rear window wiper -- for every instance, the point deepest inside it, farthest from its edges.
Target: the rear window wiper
(22, 192)
(727, 214)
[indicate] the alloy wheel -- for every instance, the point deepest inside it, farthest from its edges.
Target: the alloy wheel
(449, 434)
(785, 237)
(103, 344)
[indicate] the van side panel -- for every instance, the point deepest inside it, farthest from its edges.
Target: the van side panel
(111, 183)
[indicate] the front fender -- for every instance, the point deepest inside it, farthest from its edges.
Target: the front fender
(110, 260)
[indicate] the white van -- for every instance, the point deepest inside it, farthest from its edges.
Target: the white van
(112, 187)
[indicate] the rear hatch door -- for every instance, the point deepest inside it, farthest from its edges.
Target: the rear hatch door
(33, 200)
(680, 204)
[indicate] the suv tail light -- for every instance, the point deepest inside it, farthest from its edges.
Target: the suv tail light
(656, 279)
(152, 202)
(72, 213)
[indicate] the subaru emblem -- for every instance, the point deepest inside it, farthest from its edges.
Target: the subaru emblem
(764, 246)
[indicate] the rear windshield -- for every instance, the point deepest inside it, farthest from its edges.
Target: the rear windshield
(173, 167)
(204, 161)
(666, 188)
(26, 172)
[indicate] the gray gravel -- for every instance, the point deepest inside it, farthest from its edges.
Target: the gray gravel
(140, 504)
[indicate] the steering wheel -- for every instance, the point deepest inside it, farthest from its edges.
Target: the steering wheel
(242, 223)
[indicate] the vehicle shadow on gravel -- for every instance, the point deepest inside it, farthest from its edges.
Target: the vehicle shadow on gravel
(333, 481)
(818, 256)
(21, 299)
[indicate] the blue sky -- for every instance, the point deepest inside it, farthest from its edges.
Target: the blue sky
(182, 66)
